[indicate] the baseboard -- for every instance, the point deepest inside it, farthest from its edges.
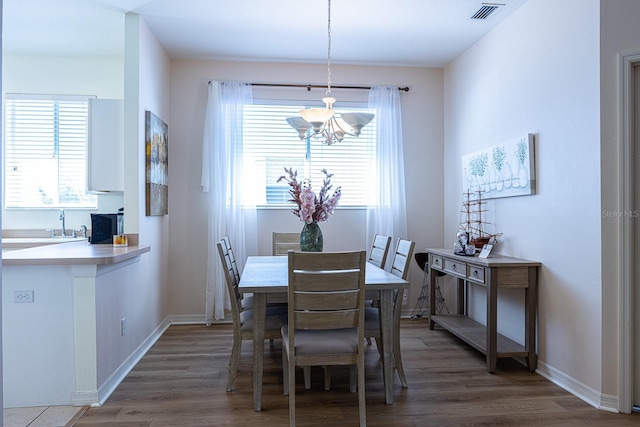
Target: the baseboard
(195, 319)
(84, 398)
(187, 319)
(114, 380)
(408, 313)
(582, 391)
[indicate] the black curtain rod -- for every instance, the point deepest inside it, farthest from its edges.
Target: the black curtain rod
(310, 86)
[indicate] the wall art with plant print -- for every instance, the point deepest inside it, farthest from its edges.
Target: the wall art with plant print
(503, 170)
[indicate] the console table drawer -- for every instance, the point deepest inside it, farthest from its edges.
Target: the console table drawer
(456, 268)
(475, 273)
(436, 262)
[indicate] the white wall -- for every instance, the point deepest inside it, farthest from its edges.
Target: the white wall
(117, 293)
(538, 72)
(99, 76)
(34, 376)
(46, 326)
(146, 88)
(423, 134)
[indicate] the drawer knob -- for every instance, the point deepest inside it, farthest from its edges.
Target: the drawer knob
(454, 267)
(475, 273)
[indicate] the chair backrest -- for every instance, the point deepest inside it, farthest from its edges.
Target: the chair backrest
(326, 290)
(400, 268)
(232, 258)
(402, 258)
(283, 242)
(231, 281)
(379, 250)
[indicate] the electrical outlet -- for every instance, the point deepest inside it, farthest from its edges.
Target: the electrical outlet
(404, 298)
(123, 326)
(22, 296)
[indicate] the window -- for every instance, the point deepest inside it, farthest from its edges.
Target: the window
(270, 145)
(45, 157)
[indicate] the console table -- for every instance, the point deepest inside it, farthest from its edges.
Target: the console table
(494, 273)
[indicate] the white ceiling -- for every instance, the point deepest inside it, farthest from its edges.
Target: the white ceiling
(381, 32)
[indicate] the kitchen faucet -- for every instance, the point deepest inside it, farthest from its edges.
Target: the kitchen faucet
(62, 234)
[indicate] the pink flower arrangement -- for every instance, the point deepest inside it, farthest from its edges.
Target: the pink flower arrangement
(311, 207)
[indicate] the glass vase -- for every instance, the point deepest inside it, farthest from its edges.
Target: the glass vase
(311, 238)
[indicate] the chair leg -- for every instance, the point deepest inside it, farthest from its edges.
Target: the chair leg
(285, 372)
(327, 377)
(234, 361)
(379, 346)
(306, 371)
(292, 393)
(353, 378)
(397, 359)
(362, 409)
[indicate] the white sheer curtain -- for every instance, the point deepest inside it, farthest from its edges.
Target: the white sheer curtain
(223, 181)
(386, 211)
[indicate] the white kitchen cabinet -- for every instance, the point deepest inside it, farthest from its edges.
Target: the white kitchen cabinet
(105, 148)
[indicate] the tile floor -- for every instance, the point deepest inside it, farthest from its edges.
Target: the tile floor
(43, 416)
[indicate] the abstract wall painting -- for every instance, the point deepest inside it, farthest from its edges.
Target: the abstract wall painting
(156, 165)
(504, 170)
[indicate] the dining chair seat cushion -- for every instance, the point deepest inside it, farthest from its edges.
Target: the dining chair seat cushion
(247, 302)
(371, 318)
(276, 317)
(314, 342)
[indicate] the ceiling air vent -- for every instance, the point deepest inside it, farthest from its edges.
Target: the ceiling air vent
(485, 10)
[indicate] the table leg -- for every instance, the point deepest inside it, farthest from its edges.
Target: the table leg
(462, 297)
(386, 333)
(259, 319)
(530, 304)
(432, 294)
(492, 321)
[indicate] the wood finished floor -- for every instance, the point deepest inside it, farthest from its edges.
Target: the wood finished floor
(181, 382)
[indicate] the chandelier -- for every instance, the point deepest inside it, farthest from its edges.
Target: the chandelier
(322, 121)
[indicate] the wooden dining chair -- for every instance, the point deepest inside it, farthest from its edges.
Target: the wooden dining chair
(247, 300)
(379, 250)
(283, 242)
(242, 316)
(400, 268)
(326, 318)
(378, 257)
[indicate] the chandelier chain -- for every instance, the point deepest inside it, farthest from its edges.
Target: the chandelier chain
(329, 49)
(322, 122)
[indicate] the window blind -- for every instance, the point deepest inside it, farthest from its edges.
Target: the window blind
(45, 158)
(270, 145)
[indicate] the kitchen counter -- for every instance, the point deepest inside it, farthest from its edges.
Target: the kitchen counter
(61, 252)
(11, 243)
(78, 303)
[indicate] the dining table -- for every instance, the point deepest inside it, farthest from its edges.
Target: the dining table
(266, 277)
